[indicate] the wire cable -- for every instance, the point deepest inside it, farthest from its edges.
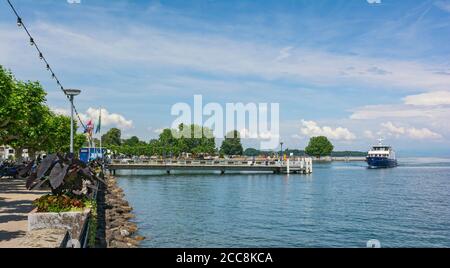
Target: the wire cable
(21, 24)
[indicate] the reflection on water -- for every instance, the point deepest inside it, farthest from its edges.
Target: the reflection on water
(339, 205)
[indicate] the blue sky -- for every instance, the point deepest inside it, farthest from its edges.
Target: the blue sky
(351, 70)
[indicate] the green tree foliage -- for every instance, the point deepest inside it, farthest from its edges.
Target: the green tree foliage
(169, 143)
(232, 144)
(27, 122)
(252, 152)
(7, 115)
(201, 141)
(58, 137)
(133, 141)
(196, 140)
(78, 142)
(23, 112)
(112, 137)
(319, 146)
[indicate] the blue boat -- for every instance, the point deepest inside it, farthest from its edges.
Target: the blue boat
(381, 156)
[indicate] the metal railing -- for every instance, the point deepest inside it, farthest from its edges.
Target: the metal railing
(170, 162)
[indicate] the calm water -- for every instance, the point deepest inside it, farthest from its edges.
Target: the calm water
(340, 205)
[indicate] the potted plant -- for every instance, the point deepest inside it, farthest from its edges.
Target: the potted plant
(73, 186)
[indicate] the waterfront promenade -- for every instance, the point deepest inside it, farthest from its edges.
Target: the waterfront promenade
(15, 204)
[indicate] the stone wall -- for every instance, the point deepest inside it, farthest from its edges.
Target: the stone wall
(115, 230)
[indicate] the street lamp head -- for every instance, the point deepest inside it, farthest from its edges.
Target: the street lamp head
(72, 92)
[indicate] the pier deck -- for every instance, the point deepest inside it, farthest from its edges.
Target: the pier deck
(292, 166)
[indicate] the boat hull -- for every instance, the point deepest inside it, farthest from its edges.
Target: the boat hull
(381, 162)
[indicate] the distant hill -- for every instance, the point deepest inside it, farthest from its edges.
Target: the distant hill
(348, 153)
(296, 152)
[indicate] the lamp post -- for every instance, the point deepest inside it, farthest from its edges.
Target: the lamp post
(71, 93)
(281, 143)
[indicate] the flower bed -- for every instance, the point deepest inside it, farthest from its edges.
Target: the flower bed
(74, 186)
(62, 203)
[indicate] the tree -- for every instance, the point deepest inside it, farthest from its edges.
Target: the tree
(319, 146)
(112, 137)
(154, 148)
(29, 123)
(201, 140)
(251, 152)
(133, 141)
(168, 144)
(78, 141)
(58, 138)
(7, 87)
(23, 113)
(232, 144)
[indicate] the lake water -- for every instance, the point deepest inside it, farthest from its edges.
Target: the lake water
(339, 205)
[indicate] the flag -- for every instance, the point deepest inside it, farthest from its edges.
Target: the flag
(89, 128)
(99, 125)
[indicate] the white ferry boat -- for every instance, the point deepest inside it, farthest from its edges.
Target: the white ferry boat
(381, 156)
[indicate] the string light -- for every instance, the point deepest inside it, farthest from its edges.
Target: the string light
(41, 56)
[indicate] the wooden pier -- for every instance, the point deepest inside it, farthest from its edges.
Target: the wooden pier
(291, 166)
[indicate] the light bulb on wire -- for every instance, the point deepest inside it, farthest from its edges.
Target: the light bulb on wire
(19, 22)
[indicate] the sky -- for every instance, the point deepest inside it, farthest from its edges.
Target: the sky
(350, 70)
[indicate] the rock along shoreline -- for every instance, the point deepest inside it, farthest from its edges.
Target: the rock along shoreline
(115, 230)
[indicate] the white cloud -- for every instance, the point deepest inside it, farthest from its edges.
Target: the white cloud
(217, 55)
(369, 134)
(61, 111)
(374, 2)
(410, 132)
(247, 134)
(312, 129)
(429, 99)
(393, 129)
(444, 5)
(264, 135)
(284, 53)
(423, 133)
(430, 109)
(108, 119)
(268, 135)
(399, 111)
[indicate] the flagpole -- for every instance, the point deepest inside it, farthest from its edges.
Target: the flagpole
(90, 145)
(100, 132)
(90, 137)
